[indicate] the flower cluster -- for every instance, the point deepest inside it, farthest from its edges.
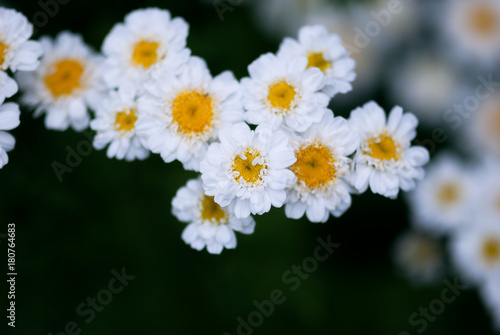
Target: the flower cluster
(267, 140)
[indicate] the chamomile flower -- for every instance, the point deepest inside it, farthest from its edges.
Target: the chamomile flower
(474, 27)
(16, 51)
(115, 125)
(248, 170)
(322, 164)
(65, 84)
(325, 52)
(183, 114)
(9, 119)
(444, 201)
(385, 160)
(8, 86)
(148, 40)
(419, 256)
(284, 92)
(209, 225)
(475, 251)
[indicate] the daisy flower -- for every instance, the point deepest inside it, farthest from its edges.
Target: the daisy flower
(284, 92)
(321, 167)
(325, 52)
(385, 160)
(8, 86)
(16, 51)
(209, 225)
(65, 84)
(183, 114)
(115, 125)
(473, 27)
(148, 40)
(444, 200)
(475, 251)
(9, 119)
(419, 256)
(248, 170)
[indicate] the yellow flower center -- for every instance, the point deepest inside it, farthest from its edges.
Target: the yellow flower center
(281, 95)
(145, 54)
(64, 76)
(211, 211)
(314, 165)
(3, 51)
(383, 148)
(125, 120)
(193, 112)
(491, 250)
(316, 59)
(483, 20)
(449, 194)
(246, 169)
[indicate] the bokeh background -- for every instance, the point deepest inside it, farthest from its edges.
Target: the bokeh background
(108, 214)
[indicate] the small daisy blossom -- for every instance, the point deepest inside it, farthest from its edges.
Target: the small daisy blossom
(9, 119)
(65, 84)
(16, 51)
(475, 251)
(444, 201)
(209, 225)
(183, 114)
(248, 170)
(419, 256)
(386, 161)
(326, 52)
(148, 40)
(8, 86)
(283, 92)
(321, 167)
(115, 125)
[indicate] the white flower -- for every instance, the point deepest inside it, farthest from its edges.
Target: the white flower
(8, 86)
(209, 225)
(115, 125)
(419, 256)
(9, 119)
(147, 41)
(482, 131)
(475, 251)
(16, 52)
(386, 161)
(473, 27)
(247, 170)
(65, 84)
(183, 114)
(283, 92)
(444, 200)
(326, 52)
(321, 167)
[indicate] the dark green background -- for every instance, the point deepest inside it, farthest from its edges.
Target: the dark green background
(110, 214)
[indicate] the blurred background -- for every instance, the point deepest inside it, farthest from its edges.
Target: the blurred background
(109, 214)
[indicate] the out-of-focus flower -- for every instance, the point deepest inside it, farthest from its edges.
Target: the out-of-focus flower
(385, 160)
(248, 170)
(66, 83)
(282, 91)
(321, 167)
(326, 52)
(482, 131)
(209, 225)
(181, 115)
